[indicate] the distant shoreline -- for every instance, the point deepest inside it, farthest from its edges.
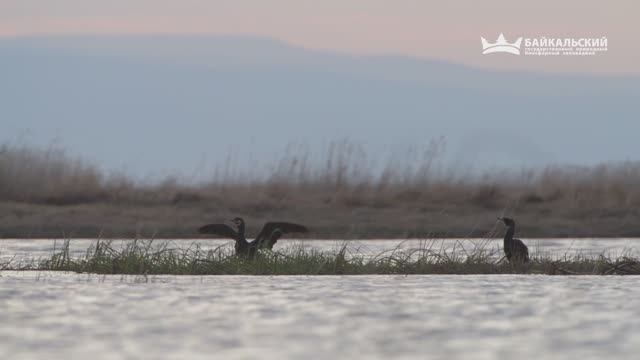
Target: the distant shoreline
(45, 193)
(329, 222)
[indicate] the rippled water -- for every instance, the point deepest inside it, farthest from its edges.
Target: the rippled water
(61, 316)
(47, 315)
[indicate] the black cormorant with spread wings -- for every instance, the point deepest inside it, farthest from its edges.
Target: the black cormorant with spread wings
(514, 249)
(265, 239)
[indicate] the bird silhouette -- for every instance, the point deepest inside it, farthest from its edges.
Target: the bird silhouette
(266, 238)
(514, 249)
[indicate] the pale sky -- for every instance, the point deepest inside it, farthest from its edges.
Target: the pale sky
(448, 30)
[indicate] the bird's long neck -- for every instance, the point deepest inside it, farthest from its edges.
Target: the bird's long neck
(508, 237)
(241, 234)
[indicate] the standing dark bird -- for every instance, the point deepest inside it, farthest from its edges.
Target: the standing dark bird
(514, 249)
(266, 238)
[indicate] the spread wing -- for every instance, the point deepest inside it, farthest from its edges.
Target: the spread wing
(222, 230)
(268, 242)
(272, 231)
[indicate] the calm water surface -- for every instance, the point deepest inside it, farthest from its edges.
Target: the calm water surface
(61, 316)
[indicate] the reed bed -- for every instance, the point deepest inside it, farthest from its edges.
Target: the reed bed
(345, 175)
(153, 257)
(342, 193)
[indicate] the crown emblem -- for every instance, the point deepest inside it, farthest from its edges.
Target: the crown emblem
(501, 45)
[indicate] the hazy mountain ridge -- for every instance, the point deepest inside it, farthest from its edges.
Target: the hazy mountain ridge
(156, 104)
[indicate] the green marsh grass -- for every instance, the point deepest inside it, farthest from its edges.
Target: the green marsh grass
(154, 257)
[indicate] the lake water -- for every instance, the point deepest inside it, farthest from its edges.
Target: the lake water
(48, 315)
(62, 316)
